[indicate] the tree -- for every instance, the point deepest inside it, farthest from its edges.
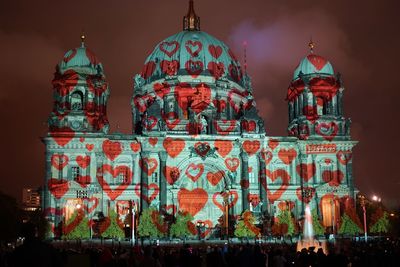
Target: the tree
(181, 226)
(151, 224)
(285, 222)
(348, 226)
(114, 230)
(318, 228)
(79, 231)
(381, 225)
(245, 227)
(9, 217)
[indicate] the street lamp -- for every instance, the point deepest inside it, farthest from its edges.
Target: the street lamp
(200, 225)
(362, 203)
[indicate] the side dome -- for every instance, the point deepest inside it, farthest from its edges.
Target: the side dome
(80, 60)
(313, 64)
(192, 54)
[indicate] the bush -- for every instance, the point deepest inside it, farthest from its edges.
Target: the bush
(151, 224)
(182, 226)
(114, 230)
(245, 227)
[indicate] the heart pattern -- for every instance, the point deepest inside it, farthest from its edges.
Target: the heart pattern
(223, 147)
(116, 191)
(83, 161)
(169, 48)
(171, 174)
(194, 171)
(306, 171)
(273, 176)
(112, 149)
(58, 187)
(152, 196)
(173, 146)
(232, 164)
(333, 178)
(215, 177)
(59, 161)
(327, 130)
(343, 157)
(218, 199)
(148, 165)
(215, 51)
(287, 155)
(251, 147)
(193, 47)
(192, 201)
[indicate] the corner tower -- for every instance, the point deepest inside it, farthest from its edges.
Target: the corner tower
(80, 93)
(315, 100)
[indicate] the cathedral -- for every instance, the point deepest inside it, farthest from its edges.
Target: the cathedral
(198, 143)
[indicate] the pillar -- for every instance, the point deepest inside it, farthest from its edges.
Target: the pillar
(263, 182)
(163, 181)
(245, 181)
(144, 185)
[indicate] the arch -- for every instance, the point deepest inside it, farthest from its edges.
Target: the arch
(76, 100)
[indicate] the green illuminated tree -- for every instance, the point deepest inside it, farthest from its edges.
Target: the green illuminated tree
(381, 225)
(181, 226)
(318, 228)
(81, 230)
(348, 226)
(245, 227)
(114, 230)
(285, 218)
(151, 224)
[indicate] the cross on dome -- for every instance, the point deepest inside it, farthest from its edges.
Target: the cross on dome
(191, 22)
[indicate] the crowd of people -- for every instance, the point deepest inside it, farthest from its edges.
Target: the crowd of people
(37, 253)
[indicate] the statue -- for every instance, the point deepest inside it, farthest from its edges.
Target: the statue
(204, 125)
(261, 128)
(161, 125)
(138, 81)
(144, 122)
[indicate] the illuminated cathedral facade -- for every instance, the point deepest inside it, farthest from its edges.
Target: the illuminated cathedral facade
(198, 143)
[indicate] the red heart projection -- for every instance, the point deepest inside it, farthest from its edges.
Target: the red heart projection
(150, 198)
(194, 68)
(81, 139)
(112, 149)
(173, 146)
(306, 171)
(308, 194)
(248, 126)
(220, 105)
(192, 201)
(141, 102)
(202, 148)
(153, 141)
(59, 161)
(215, 177)
(171, 174)
(267, 156)
(317, 61)
(200, 96)
(232, 199)
(216, 69)
(170, 67)
(225, 126)
(58, 187)
(193, 47)
(68, 228)
(83, 161)
(169, 48)
(327, 130)
(83, 180)
(148, 165)
(89, 147)
(223, 147)
(148, 69)
(65, 139)
(251, 147)
(151, 122)
(171, 119)
(161, 89)
(344, 157)
(118, 190)
(284, 205)
(249, 224)
(333, 178)
(273, 176)
(135, 146)
(273, 143)
(215, 51)
(232, 163)
(287, 155)
(194, 171)
(90, 204)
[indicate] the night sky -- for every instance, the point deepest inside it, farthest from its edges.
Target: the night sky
(360, 38)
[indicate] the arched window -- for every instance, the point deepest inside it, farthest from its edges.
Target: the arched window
(77, 101)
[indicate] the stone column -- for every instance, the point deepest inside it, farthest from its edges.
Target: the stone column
(245, 181)
(99, 173)
(350, 180)
(340, 102)
(144, 184)
(303, 160)
(263, 182)
(163, 180)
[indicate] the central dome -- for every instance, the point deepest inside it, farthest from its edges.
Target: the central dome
(192, 53)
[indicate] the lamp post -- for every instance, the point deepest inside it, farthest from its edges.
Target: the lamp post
(133, 213)
(362, 203)
(200, 225)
